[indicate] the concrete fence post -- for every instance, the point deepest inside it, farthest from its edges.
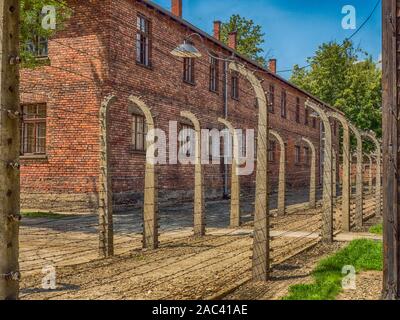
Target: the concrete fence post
(199, 219)
(327, 198)
(359, 177)
(261, 246)
(106, 232)
(235, 182)
(313, 179)
(282, 173)
(150, 202)
(346, 180)
(372, 136)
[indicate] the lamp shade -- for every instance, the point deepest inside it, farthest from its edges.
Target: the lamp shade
(186, 50)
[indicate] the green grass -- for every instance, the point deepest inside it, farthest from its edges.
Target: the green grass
(362, 254)
(49, 215)
(378, 229)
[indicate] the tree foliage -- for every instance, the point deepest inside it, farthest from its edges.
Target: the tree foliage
(31, 24)
(348, 79)
(250, 37)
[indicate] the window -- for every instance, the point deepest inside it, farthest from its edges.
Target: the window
(335, 128)
(188, 70)
(33, 127)
(38, 47)
(306, 118)
(271, 98)
(188, 132)
(314, 123)
(139, 133)
(214, 74)
(283, 104)
(307, 155)
(235, 86)
(297, 154)
(271, 151)
(143, 41)
(298, 110)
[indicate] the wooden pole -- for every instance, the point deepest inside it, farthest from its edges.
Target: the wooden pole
(261, 246)
(282, 173)
(327, 197)
(313, 179)
(9, 150)
(391, 212)
(106, 230)
(150, 202)
(199, 221)
(235, 182)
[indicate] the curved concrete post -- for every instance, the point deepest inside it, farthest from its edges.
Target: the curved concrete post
(334, 176)
(150, 205)
(282, 173)
(199, 223)
(371, 136)
(261, 247)
(106, 232)
(370, 178)
(313, 180)
(327, 211)
(235, 183)
(358, 218)
(346, 186)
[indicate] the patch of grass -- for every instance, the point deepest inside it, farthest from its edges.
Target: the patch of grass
(49, 215)
(378, 229)
(362, 254)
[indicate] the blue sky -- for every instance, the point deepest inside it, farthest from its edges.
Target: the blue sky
(294, 28)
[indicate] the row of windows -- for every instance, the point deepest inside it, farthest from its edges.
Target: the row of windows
(33, 133)
(298, 158)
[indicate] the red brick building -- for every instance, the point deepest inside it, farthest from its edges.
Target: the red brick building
(123, 47)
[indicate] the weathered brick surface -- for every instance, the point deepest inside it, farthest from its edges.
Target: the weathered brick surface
(95, 56)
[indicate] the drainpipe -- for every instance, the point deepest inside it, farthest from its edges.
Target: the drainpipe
(226, 168)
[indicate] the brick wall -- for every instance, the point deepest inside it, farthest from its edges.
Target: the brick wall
(95, 56)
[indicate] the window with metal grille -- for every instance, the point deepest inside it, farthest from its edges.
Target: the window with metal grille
(306, 117)
(139, 133)
(297, 154)
(143, 41)
(33, 135)
(188, 132)
(298, 110)
(38, 47)
(214, 74)
(283, 104)
(271, 151)
(188, 70)
(235, 86)
(271, 107)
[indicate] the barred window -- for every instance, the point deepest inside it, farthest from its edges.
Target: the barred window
(188, 70)
(307, 155)
(143, 41)
(297, 154)
(33, 135)
(283, 104)
(139, 133)
(38, 46)
(298, 110)
(271, 151)
(214, 74)
(271, 106)
(307, 116)
(235, 86)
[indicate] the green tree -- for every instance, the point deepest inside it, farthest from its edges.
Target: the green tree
(250, 37)
(31, 24)
(348, 79)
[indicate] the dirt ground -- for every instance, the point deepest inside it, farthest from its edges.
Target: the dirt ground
(368, 287)
(183, 267)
